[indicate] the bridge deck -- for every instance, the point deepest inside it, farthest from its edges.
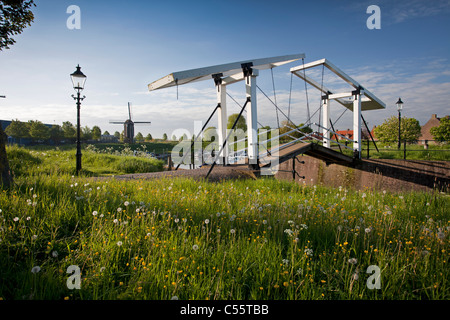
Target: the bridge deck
(310, 149)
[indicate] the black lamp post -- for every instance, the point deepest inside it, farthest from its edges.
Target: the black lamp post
(399, 104)
(78, 80)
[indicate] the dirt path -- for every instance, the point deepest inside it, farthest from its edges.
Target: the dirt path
(219, 173)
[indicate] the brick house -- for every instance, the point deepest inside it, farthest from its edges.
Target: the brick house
(425, 130)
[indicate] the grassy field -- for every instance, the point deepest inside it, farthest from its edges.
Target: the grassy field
(263, 239)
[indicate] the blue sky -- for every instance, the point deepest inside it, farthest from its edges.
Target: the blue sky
(123, 46)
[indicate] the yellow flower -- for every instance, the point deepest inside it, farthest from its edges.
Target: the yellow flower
(276, 286)
(285, 284)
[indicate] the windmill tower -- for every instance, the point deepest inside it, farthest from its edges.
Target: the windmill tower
(128, 126)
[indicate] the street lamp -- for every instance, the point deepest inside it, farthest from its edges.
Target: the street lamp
(399, 104)
(78, 80)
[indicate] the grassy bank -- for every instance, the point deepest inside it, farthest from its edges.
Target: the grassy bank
(31, 162)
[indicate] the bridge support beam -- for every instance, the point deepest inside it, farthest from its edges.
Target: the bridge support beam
(252, 117)
(357, 123)
(326, 122)
(222, 121)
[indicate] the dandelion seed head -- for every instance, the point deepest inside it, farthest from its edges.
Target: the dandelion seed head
(35, 269)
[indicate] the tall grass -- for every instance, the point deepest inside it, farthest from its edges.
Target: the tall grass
(263, 239)
(56, 162)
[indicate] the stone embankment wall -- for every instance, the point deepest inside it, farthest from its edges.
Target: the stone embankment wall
(377, 174)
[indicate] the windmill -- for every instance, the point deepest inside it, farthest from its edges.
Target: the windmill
(128, 126)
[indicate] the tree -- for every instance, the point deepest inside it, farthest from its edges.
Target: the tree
(149, 137)
(164, 137)
(106, 133)
(16, 16)
(86, 133)
(56, 133)
(174, 138)
(241, 124)
(38, 130)
(17, 129)
(139, 137)
(442, 131)
(388, 131)
(96, 133)
(117, 134)
(69, 131)
(210, 134)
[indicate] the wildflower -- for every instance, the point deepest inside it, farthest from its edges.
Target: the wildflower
(352, 261)
(176, 220)
(441, 235)
(285, 261)
(367, 230)
(28, 218)
(119, 243)
(289, 232)
(174, 298)
(54, 253)
(195, 247)
(94, 213)
(16, 219)
(308, 252)
(34, 237)
(206, 221)
(232, 231)
(35, 269)
(119, 209)
(126, 203)
(264, 222)
(116, 221)
(355, 276)
(299, 271)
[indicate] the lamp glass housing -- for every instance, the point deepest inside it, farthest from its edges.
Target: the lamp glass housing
(78, 79)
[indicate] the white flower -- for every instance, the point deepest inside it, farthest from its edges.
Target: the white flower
(119, 209)
(309, 252)
(119, 243)
(174, 298)
(54, 253)
(352, 261)
(126, 203)
(116, 221)
(94, 213)
(232, 231)
(285, 261)
(195, 247)
(176, 220)
(206, 221)
(368, 230)
(16, 219)
(289, 232)
(28, 218)
(264, 222)
(35, 269)
(34, 237)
